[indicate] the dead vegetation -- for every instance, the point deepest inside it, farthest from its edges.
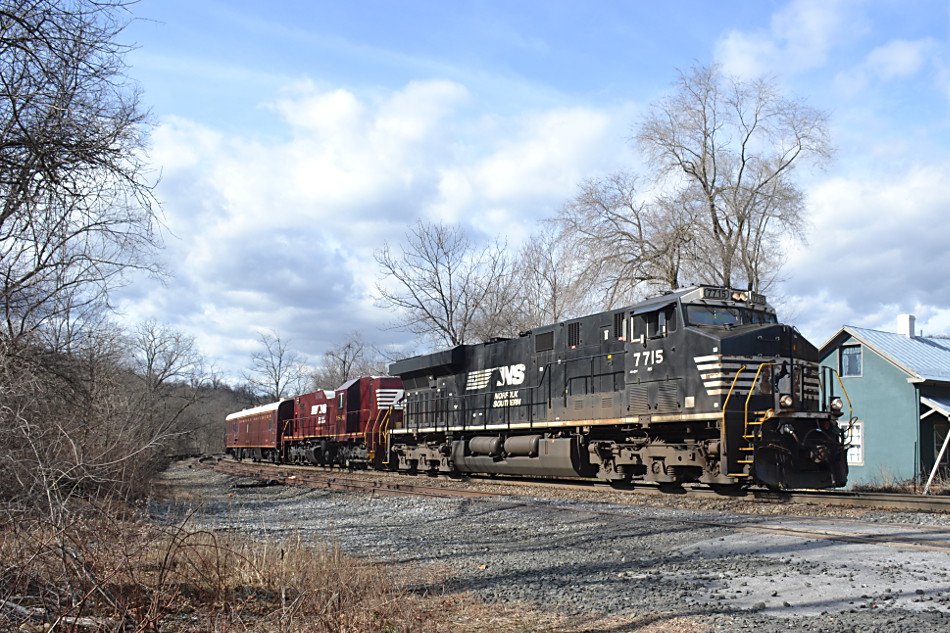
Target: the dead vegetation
(97, 574)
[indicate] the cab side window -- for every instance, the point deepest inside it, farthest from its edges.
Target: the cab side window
(655, 324)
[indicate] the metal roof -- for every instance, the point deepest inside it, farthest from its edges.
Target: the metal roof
(264, 408)
(924, 358)
(941, 405)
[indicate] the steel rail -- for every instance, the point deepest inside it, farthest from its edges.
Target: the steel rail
(308, 477)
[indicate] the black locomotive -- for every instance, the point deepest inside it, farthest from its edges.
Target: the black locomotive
(702, 384)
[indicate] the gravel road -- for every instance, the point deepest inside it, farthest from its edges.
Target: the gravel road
(581, 557)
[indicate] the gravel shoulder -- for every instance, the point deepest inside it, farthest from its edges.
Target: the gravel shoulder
(596, 564)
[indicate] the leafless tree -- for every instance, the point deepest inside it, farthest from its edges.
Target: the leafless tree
(169, 374)
(277, 371)
(350, 359)
(553, 277)
(76, 210)
(95, 421)
(626, 241)
(728, 148)
(444, 285)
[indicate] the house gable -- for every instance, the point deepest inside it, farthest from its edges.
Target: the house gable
(885, 408)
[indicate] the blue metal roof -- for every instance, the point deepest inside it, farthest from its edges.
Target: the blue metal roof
(922, 357)
(939, 404)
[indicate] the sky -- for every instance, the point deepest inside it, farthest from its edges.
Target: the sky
(293, 139)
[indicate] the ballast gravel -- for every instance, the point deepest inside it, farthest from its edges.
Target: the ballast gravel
(588, 558)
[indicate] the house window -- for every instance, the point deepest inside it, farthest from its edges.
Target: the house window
(850, 360)
(855, 441)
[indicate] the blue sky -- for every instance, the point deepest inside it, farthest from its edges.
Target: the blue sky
(294, 138)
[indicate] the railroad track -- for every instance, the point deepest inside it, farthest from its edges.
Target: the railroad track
(838, 498)
(930, 538)
(302, 476)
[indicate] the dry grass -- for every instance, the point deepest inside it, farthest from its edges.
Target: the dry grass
(109, 575)
(885, 483)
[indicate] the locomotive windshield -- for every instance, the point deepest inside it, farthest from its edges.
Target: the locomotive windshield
(726, 315)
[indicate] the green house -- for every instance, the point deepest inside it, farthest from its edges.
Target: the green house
(899, 386)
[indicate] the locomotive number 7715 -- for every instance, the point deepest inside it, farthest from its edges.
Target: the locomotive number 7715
(648, 357)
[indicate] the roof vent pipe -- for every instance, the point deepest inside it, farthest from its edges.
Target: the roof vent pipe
(906, 324)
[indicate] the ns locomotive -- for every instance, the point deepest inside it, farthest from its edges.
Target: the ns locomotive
(698, 385)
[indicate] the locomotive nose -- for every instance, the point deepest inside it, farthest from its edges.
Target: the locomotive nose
(769, 340)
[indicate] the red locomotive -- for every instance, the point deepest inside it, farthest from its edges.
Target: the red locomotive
(330, 428)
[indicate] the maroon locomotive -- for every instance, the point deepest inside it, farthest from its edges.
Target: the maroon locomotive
(330, 428)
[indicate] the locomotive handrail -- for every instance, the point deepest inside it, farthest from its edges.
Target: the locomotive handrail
(723, 433)
(383, 433)
(846, 397)
(749, 397)
(371, 429)
(729, 395)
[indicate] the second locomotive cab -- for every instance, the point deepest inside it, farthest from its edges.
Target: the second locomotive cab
(702, 384)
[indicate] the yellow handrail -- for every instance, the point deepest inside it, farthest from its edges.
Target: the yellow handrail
(846, 397)
(383, 436)
(371, 428)
(729, 395)
(723, 427)
(755, 381)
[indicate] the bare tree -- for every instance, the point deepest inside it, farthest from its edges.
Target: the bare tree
(626, 241)
(76, 211)
(350, 359)
(276, 372)
(169, 375)
(96, 421)
(729, 148)
(554, 278)
(443, 284)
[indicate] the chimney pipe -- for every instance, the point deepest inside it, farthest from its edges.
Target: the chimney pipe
(906, 324)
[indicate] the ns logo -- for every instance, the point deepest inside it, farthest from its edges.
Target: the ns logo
(510, 375)
(507, 375)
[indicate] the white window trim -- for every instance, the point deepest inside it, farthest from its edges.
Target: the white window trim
(858, 435)
(841, 364)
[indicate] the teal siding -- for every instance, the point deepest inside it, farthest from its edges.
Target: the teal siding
(889, 407)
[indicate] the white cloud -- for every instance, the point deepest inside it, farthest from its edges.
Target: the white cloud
(876, 249)
(895, 60)
(799, 37)
(900, 58)
(279, 233)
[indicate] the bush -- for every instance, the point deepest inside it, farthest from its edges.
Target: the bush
(98, 574)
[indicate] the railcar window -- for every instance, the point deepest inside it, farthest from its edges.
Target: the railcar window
(639, 326)
(670, 313)
(724, 315)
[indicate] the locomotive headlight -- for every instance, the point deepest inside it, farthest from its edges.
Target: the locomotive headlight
(836, 404)
(786, 401)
